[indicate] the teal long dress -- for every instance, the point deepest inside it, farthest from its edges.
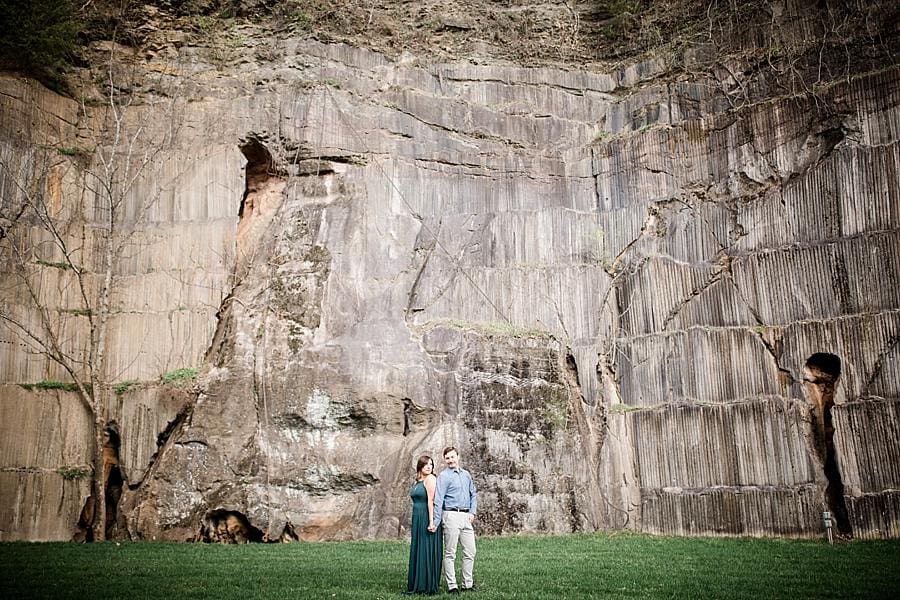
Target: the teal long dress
(426, 550)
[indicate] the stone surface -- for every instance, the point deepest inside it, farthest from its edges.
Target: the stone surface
(603, 287)
(44, 463)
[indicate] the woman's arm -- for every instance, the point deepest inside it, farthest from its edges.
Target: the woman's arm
(430, 485)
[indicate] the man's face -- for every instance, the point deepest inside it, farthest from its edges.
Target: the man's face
(451, 459)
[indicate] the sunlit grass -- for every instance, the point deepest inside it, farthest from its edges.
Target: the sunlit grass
(578, 566)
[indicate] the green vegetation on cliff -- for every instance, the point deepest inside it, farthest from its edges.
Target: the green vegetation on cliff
(49, 384)
(798, 40)
(38, 37)
(180, 376)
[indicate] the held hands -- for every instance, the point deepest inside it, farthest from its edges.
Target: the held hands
(431, 527)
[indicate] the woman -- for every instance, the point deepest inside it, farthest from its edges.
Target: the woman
(426, 550)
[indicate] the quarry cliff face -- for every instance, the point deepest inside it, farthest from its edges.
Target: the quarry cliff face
(643, 298)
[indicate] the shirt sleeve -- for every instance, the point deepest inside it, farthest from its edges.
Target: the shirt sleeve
(473, 496)
(439, 492)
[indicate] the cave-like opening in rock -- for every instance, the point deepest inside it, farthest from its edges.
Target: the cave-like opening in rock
(822, 373)
(112, 473)
(407, 405)
(288, 534)
(228, 527)
(259, 166)
(264, 187)
(114, 481)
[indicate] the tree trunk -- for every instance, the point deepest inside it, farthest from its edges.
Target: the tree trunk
(99, 376)
(99, 492)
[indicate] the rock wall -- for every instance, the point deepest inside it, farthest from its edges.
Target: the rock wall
(629, 298)
(169, 283)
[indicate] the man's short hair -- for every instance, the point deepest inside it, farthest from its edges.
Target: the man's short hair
(448, 450)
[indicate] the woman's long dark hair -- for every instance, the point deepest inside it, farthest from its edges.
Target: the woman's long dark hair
(424, 460)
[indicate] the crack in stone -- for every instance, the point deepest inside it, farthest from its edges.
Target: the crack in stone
(737, 489)
(679, 402)
(799, 322)
(185, 443)
(578, 92)
(793, 246)
(456, 261)
(429, 251)
(879, 363)
(775, 348)
(37, 470)
(492, 173)
(654, 225)
(729, 205)
(696, 292)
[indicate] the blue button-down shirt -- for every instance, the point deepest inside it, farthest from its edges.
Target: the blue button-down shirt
(455, 489)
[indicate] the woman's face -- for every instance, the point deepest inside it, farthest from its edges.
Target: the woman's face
(428, 468)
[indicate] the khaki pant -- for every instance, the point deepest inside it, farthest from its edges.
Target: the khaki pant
(458, 529)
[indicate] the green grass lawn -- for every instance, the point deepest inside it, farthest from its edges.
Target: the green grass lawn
(578, 566)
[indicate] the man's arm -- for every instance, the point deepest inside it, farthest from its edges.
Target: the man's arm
(439, 492)
(473, 496)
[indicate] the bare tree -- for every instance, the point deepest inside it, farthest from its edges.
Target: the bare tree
(68, 214)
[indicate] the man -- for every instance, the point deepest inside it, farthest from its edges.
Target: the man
(455, 503)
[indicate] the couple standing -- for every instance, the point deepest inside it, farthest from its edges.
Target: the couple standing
(443, 510)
